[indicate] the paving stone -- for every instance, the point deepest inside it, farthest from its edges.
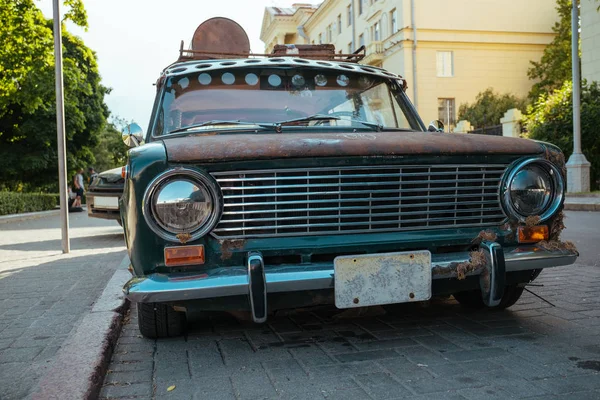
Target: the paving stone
(143, 390)
(366, 355)
(115, 377)
(468, 355)
(19, 354)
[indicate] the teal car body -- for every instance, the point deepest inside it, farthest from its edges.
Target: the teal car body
(289, 197)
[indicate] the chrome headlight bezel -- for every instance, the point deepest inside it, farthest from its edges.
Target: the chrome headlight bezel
(557, 195)
(185, 174)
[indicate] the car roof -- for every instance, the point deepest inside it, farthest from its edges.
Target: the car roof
(186, 67)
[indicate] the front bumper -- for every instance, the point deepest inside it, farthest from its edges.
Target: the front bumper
(256, 279)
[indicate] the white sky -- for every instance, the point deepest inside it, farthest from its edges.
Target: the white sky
(136, 39)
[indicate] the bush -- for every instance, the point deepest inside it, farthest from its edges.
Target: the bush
(489, 107)
(550, 119)
(16, 203)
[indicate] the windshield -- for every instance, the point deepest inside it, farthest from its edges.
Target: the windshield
(298, 97)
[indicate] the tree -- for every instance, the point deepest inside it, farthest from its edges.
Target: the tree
(489, 107)
(28, 155)
(555, 66)
(110, 152)
(27, 47)
(550, 119)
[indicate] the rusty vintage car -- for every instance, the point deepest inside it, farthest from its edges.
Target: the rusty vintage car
(303, 177)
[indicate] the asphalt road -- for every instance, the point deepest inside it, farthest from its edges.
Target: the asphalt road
(583, 228)
(433, 350)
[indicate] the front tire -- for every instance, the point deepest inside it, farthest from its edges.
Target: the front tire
(157, 320)
(472, 299)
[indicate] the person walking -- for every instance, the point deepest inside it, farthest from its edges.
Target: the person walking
(78, 184)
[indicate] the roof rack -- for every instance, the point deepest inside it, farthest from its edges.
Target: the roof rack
(312, 52)
(222, 38)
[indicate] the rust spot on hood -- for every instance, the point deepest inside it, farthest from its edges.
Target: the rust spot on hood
(260, 146)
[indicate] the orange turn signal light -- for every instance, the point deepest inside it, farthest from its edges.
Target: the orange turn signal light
(533, 234)
(184, 255)
(124, 171)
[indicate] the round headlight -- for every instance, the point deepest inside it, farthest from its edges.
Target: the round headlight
(534, 187)
(531, 190)
(182, 201)
(182, 205)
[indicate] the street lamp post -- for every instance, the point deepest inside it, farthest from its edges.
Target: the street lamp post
(578, 167)
(60, 129)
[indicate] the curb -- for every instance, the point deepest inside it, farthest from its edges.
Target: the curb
(582, 206)
(80, 365)
(27, 216)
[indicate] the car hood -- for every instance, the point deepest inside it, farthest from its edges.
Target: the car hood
(110, 179)
(260, 146)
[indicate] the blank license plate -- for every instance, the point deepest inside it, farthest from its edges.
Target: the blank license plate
(106, 202)
(375, 279)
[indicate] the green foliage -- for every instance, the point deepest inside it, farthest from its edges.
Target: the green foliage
(550, 119)
(489, 107)
(28, 153)
(555, 67)
(110, 152)
(16, 203)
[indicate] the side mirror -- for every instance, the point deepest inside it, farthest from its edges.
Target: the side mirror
(436, 126)
(133, 135)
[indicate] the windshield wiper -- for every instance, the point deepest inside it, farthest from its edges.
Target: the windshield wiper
(220, 123)
(324, 117)
(315, 117)
(372, 125)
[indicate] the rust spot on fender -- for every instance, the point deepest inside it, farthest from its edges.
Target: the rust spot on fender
(556, 245)
(228, 246)
(183, 237)
(219, 148)
(532, 220)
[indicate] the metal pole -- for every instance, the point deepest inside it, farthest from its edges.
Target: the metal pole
(60, 129)
(414, 54)
(576, 79)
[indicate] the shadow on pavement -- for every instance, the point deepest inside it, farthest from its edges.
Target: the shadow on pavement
(109, 240)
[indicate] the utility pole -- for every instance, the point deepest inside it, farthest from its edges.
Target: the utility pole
(60, 129)
(578, 167)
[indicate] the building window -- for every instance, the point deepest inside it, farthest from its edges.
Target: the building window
(329, 34)
(361, 40)
(445, 64)
(361, 4)
(349, 13)
(320, 38)
(339, 24)
(376, 34)
(394, 21)
(446, 110)
(350, 49)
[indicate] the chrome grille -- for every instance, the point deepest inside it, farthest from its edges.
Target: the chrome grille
(345, 200)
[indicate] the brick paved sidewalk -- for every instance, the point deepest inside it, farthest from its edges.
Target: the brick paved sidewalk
(434, 350)
(44, 294)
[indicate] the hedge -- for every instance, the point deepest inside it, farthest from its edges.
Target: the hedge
(16, 203)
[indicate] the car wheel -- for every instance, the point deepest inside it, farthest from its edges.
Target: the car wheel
(157, 320)
(473, 299)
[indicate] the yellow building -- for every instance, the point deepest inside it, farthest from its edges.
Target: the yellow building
(448, 50)
(590, 40)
